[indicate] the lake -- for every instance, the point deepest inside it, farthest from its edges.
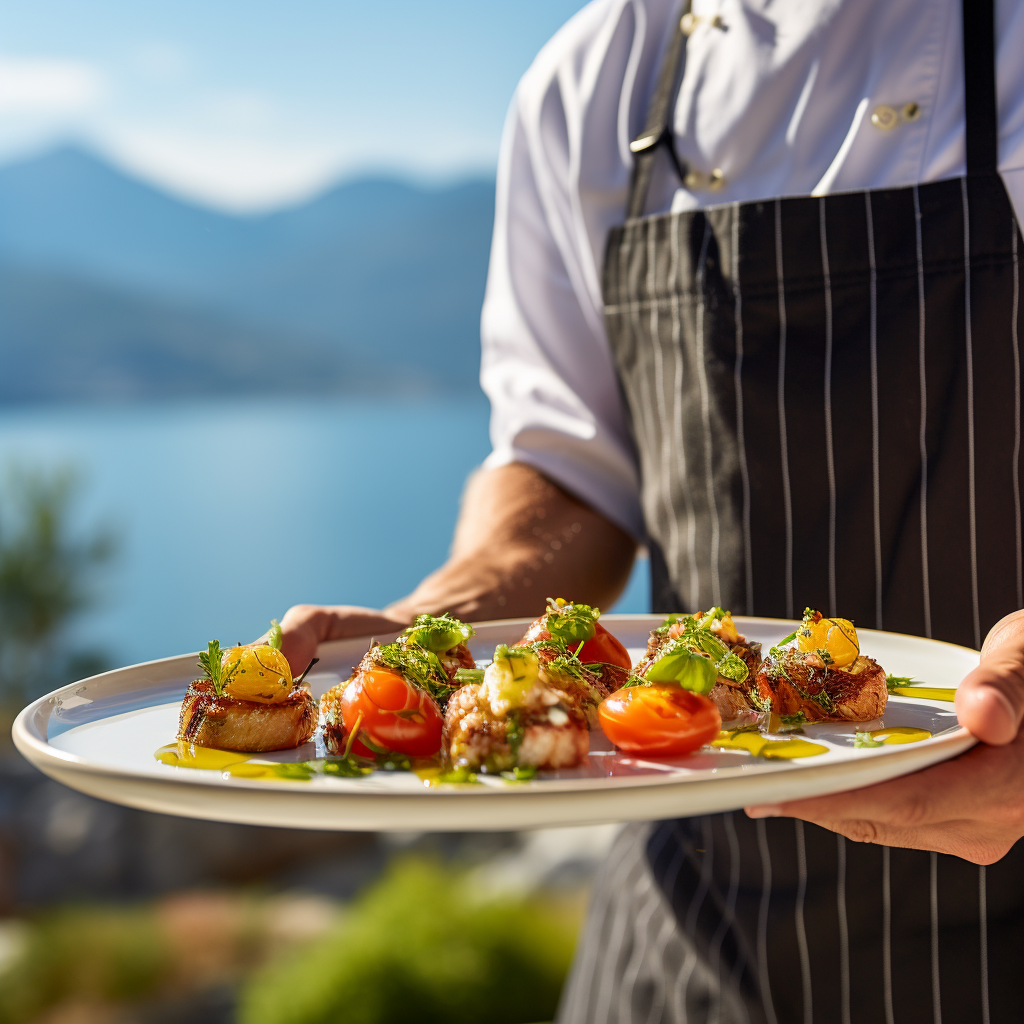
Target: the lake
(227, 514)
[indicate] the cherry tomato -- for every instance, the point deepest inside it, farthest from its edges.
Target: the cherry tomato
(392, 714)
(662, 720)
(602, 646)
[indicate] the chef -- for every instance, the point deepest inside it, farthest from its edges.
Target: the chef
(754, 302)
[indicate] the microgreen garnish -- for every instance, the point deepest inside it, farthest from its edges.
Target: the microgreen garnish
(468, 675)
(416, 664)
(437, 633)
(520, 774)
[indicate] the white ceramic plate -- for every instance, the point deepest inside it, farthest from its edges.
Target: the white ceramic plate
(100, 736)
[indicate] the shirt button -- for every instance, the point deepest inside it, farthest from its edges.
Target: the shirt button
(885, 118)
(911, 112)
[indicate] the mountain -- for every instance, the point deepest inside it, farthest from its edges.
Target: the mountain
(64, 338)
(378, 279)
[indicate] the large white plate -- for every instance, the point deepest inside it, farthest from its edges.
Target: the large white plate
(100, 735)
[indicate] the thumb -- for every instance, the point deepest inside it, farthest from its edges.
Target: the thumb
(990, 700)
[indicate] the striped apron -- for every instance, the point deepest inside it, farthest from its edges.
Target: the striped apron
(825, 399)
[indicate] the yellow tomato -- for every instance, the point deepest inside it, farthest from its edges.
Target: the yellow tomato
(263, 674)
(835, 636)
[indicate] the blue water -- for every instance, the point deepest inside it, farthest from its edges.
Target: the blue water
(228, 513)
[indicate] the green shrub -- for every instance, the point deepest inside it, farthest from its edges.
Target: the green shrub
(418, 948)
(104, 955)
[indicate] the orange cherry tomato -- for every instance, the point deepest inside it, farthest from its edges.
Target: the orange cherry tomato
(392, 714)
(602, 646)
(661, 720)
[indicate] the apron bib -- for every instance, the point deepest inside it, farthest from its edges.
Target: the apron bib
(825, 399)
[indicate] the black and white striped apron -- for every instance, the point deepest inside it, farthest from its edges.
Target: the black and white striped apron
(825, 397)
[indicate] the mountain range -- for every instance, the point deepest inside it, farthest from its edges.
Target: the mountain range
(111, 288)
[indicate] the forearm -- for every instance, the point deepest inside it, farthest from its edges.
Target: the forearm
(521, 539)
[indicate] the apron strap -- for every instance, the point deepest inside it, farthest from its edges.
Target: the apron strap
(658, 128)
(980, 109)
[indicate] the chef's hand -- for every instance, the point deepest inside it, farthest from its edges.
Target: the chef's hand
(304, 626)
(972, 806)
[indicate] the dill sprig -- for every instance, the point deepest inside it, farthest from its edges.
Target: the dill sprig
(416, 664)
(211, 662)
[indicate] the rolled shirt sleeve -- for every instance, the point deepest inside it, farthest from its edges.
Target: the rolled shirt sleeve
(546, 366)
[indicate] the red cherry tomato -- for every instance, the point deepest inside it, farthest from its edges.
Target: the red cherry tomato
(392, 714)
(602, 646)
(661, 720)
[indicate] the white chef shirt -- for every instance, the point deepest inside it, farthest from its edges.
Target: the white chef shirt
(777, 95)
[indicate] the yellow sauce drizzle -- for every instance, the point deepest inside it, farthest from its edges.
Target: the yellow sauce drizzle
(761, 746)
(900, 734)
(187, 755)
(926, 692)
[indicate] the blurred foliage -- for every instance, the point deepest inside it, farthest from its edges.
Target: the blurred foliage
(420, 947)
(48, 577)
(93, 955)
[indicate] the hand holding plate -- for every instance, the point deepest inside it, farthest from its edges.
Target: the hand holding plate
(972, 806)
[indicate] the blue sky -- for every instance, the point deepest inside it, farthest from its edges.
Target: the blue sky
(251, 104)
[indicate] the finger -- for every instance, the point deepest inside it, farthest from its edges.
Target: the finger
(990, 700)
(965, 839)
(946, 791)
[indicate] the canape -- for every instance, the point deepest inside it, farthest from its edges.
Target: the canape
(247, 701)
(516, 717)
(819, 672)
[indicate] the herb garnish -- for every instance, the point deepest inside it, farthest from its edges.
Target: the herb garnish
(514, 733)
(468, 675)
(891, 682)
(437, 633)
(418, 665)
(210, 661)
(274, 639)
(571, 623)
(865, 739)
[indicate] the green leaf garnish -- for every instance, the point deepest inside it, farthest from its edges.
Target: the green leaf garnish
(520, 774)
(463, 676)
(571, 623)
(274, 639)
(437, 633)
(865, 739)
(690, 670)
(891, 682)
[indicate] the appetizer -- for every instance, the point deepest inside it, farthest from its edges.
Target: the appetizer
(576, 628)
(818, 671)
(518, 715)
(247, 700)
(713, 637)
(391, 704)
